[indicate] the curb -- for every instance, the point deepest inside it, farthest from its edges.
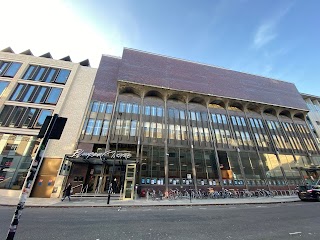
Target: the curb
(152, 205)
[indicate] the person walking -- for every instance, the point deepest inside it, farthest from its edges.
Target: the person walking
(67, 192)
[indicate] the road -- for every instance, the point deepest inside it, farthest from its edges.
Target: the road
(298, 220)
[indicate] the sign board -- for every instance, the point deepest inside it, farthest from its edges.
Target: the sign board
(188, 176)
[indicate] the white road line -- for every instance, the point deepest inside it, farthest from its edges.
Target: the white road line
(169, 209)
(202, 208)
(295, 233)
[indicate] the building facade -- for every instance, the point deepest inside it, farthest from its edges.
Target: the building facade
(31, 89)
(160, 122)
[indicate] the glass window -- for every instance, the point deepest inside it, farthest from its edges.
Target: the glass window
(3, 86)
(128, 108)
(18, 112)
(12, 70)
(42, 117)
(41, 95)
(171, 113)
(147, 110)
(17, 93)
(95, 107)
(30, 115)
(3, 66)
(102, 107)
(90, 125)
(135, 108)
(182, 115)
(159, 112)
(54, 95)
(133, 128)
(159, 130)
(50, 76)
(40, 73)
(97, 128)
(6, 111)
(62, 76)
(153, 111)
(105, 128)
(193, 115)
(27, 96)
(224, 119)
(122, 107)
(214, 118)
(28, 73)
(109, 108)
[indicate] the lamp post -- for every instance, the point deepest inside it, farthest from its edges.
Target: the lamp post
(114, 160)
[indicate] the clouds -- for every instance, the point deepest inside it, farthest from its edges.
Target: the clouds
(267, 31)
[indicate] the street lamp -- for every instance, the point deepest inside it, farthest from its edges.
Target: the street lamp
(114, 160)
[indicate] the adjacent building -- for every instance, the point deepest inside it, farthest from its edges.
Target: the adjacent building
(31, 89)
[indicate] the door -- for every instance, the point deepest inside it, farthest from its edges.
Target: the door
(129, 182)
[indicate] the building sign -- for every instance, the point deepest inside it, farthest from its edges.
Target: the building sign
(107, 154)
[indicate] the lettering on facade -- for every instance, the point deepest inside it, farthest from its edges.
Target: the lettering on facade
(107, 154)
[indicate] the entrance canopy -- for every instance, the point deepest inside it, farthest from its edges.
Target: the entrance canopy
(98, 161)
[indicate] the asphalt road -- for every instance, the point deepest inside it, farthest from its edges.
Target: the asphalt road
(299, 220)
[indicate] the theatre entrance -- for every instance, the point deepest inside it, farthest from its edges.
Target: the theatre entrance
(97, 182)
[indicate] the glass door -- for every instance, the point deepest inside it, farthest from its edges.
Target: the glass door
(129, 182)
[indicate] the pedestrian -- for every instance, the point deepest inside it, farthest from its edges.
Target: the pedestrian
(67, 192)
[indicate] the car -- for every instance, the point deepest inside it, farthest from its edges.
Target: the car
(309, 192)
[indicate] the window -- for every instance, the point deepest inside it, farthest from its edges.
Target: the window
(54, 95)
(17, 93)
(41, 95)
(122, 107)
(3, 87)
(90, 126)
(109, 108)
(135, 108)
(62, 76)
(9, 69)
(147, 110)
(44, 113)
(95, 107)
(102, 107)
(105, 128)
(97, 128)
(133, 128)
(27, 96)
(159, 112)
(46, 74)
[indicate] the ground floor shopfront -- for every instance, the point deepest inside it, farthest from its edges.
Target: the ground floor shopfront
(187, 168)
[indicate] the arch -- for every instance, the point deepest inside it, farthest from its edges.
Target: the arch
(198, 100)
(271, 111)
(254, 108)
(177, 97)
(154, 93)
(285, 113)
(300, 115)
(130, 90)
(235, 106)
(217, 104)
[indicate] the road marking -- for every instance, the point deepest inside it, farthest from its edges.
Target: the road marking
(203, 208)
(149, 209)
(169, 209)
(295, 233)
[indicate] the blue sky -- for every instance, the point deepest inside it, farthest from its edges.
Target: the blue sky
(274, 38)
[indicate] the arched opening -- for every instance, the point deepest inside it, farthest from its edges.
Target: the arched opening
(270, 111)
(300, 116)
(154, 93)
(285, 113)
(217, 104)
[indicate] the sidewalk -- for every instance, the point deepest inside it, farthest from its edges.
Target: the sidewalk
(12, 200)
